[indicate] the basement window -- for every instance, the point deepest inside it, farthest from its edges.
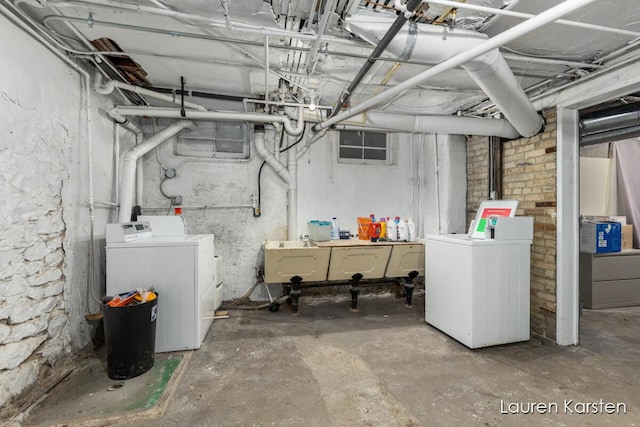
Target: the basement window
(364, 148)
(220, 140)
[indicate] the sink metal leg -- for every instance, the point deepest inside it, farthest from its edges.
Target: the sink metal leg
(355, 290)
(295, 294)
(409, 286)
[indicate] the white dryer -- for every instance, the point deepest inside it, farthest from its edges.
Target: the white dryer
(180, 268)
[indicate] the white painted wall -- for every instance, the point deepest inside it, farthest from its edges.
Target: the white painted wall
(326, 188)
(446, 190)
(44, 226)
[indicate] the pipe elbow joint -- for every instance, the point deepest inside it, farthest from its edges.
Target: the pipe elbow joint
(299, 124)
(102, 88)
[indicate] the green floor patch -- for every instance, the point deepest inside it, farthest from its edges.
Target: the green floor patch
(89, 394)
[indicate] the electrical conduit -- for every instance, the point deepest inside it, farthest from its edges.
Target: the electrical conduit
(130, 164)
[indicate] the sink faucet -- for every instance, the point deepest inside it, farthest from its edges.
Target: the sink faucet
(305, 240)
(281, 244)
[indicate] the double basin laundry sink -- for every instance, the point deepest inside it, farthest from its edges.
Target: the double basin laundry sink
(339, 260)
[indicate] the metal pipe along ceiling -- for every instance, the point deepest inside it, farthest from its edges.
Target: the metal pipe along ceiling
(614, 118)
(610, 125)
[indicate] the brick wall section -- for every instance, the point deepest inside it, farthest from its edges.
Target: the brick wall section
(477, 174)
(529, 176)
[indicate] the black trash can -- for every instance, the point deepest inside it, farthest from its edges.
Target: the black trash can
(130, 338)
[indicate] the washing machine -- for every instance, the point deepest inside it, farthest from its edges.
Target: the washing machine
(180, 267)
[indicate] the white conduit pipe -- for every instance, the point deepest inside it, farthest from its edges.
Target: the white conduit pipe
(505, 37)
(119, 113)
(130, 163)
(435, 44)
(107, 87)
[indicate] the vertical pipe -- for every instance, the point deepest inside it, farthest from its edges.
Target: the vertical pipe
(116, 166)
(139, 183)
(292, 192)
(266, 70)
(131, 160)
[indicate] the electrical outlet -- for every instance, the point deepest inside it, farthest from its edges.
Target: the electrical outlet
(176, 200)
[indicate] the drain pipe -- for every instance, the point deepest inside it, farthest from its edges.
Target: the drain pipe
(130, 164)
(406, 13)
(505, 37)
(292, 191)
(288, 174)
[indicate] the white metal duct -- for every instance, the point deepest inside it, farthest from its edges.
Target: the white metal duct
(435, 44)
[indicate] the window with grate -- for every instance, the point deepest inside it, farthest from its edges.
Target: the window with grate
(224, 140)
(364, 148)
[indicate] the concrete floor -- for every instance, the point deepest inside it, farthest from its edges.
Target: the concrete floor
(384, 366)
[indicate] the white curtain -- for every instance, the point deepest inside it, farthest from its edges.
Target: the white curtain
(627, 153)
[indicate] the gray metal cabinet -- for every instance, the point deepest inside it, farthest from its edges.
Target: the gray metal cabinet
(610, 280)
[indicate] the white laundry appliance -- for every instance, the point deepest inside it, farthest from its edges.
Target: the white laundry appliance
(477, 289)
(180, 267)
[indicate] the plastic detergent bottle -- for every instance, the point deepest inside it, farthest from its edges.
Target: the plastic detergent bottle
(335, 231)
(392, 230)
(403, 231)
(397, 221)
(412, 230)
(383, 229)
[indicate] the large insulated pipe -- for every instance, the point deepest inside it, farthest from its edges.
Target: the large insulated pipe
(434, 44)
(505, 37)
(452, 125)
(427, 123)
(130, 163)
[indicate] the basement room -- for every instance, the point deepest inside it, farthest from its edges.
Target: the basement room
(320, 212)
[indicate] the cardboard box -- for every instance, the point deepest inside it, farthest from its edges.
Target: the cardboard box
(604, 218)
(600, 237)
(627, 237)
